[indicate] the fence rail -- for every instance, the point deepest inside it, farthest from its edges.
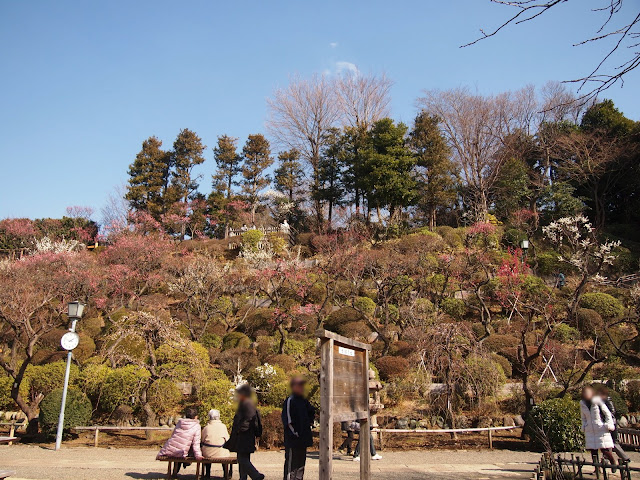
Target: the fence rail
(489, 431)
(97, 428)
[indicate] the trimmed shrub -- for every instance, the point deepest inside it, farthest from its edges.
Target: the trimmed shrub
(286, 362)
(341, 317)
(121, 385)
(454, 307)
(365, 305)
(77, 410)
(272, 428)
(392, 367)
(565, 333)
(549, 263)
(216, 394)
(588, 321)
(619, 403)
(632, 395)
(500, 343)
(603, 303)
(276, 395)
(555, 425)
(211, 340)
(235, 340)
(504, 363)
(6, 402)
(251, 239)
(164, 396)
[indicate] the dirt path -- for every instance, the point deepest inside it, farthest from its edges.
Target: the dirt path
(85, 463)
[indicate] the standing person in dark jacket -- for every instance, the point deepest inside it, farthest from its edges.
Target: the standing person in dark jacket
(246, 427)
(297, 420)
(603, 391)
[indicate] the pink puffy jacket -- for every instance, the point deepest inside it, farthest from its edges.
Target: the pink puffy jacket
(185, 437)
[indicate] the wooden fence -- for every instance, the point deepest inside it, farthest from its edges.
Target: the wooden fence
(629, 438)
(97, 428)
(489, 430)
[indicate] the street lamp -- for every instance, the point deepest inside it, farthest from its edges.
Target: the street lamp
(69, 341)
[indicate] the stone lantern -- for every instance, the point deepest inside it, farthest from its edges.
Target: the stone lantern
(375, 405)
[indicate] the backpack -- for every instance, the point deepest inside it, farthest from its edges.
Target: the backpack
(257, 424)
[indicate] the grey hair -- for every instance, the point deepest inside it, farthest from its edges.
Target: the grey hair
(214, 414)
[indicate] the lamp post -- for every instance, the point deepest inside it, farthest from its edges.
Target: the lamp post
(69, 341)
(524, 245)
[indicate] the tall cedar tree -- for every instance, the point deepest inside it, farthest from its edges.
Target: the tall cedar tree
(149, 178)
(330, 189)
(387, 169)
(355, 142)
(257, 158)
(436, 173)
(289, 174)
(187, 153)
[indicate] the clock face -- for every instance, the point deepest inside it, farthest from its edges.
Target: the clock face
(69, 340)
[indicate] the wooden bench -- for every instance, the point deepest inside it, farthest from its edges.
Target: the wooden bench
(8, 440)
(227, 465)
(13, 425)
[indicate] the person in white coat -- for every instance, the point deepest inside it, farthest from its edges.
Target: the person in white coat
(597, 423)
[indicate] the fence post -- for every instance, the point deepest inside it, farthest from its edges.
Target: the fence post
(95, 437)
(490, 440)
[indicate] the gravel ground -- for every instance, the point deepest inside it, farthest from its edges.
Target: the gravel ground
(84, 463)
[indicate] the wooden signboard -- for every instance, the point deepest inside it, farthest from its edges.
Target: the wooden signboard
(344, 395)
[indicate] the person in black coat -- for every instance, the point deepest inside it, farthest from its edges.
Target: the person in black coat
(246, 427)
(297, 420)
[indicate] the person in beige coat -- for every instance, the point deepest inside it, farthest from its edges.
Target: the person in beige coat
(214, 435)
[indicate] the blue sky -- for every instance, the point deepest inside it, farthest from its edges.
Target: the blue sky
(84, 83)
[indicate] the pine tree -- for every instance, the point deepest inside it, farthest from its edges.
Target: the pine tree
(187, 153)
(229, 165)
(437, 176)
(149, 178)
(257, 158)
(289, 174)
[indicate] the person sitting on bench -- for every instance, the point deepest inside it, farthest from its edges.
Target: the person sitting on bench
(214, 436)
(185, 439)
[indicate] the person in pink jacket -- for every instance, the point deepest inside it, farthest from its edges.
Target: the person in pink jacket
(185, 439)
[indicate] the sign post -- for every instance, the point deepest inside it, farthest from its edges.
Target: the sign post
(344, 396)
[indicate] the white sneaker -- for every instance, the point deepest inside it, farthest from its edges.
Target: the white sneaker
(356, 459)
(376, 457)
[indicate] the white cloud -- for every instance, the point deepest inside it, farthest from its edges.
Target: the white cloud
(333, 44)
(343, 66)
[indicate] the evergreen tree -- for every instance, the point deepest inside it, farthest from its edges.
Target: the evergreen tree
(330, 187)
(436, 173)
(257, 158)
(289, 174)
(149, 178)
(229, 165)
(387, 169)
(187, 153)
(511, 189)
(355, 143)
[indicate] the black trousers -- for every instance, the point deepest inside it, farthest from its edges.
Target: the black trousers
(348, 442)
(207, 470)
(246, 468)
(294, 461)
